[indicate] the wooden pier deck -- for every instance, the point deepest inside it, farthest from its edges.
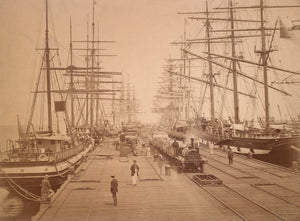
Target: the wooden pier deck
(252, 190)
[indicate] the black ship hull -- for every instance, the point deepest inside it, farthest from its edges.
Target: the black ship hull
(255, 145)
(268, 144)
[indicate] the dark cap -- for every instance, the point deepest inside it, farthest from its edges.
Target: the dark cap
(112, 176)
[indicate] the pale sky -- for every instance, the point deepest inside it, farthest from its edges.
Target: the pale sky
(143, 30)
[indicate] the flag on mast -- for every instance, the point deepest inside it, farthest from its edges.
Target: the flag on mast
(284, 31)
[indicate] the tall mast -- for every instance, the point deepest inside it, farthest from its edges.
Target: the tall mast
(187, 108)
(212, 107)
(234, 74)
(92, 76)
(47, 53)
(113, 103)
(87, 75)
(98, 79)
(72, 77)
(264, 63)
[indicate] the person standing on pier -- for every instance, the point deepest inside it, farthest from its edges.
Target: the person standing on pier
(114, 189)
(134, 172)
(230, 156)
(160, 163)
(46, 189)
(175, 145)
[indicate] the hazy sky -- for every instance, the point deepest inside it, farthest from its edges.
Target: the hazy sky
(143, 30)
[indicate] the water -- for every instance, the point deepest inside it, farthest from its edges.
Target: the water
(7, 132)
(11, 132)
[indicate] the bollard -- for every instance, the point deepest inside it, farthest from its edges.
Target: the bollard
(249, 155)
(295, 165)
(167, 170)
(155, 157)
(148, 152)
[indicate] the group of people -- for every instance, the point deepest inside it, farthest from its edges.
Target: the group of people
(46, 186)
(134, 169)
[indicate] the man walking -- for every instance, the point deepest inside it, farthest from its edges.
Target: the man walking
(134, 172)
(114, 189)
(230, 156)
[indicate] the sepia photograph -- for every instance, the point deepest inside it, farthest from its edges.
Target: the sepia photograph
(149, 110)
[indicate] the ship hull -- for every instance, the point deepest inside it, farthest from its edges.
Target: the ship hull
(264, 144)
(240, 144)
(18, 177)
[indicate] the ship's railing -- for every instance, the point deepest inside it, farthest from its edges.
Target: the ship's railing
(263, 135)
(19, 155)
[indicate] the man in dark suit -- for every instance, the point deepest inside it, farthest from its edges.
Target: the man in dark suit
(230, 156)
(114, 189)
(134, 172)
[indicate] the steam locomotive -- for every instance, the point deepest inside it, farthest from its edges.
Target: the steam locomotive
(187, 159)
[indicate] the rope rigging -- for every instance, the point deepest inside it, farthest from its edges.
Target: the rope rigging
(21, 191)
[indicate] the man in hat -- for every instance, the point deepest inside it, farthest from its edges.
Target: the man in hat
(134, 172)
(114, 189)
(46, 187)
(230, 156)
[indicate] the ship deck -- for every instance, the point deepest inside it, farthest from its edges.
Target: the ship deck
(251, 190)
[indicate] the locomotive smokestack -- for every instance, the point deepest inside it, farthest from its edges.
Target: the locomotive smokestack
(192, 143)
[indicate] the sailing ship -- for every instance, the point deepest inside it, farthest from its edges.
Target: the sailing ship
(242, 136)
(41, 150)
(98, 94)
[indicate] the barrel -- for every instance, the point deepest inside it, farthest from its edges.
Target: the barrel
(155, 157)
(295, 165)
(167, 170)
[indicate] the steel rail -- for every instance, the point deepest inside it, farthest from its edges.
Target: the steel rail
(251, 175)
(257, 204)
(261, 169)
(218, 199)
(274, 195)
(240, 194)
(154, 169)
(262, 162)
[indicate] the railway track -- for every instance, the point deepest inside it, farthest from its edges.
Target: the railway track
(284, 172)
(229, 170)
(238, 203)
(287, 195)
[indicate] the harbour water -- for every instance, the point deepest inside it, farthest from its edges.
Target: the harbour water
(11, 132)
(7, 132)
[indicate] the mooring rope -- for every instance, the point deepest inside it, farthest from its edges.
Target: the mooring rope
(25, 193)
